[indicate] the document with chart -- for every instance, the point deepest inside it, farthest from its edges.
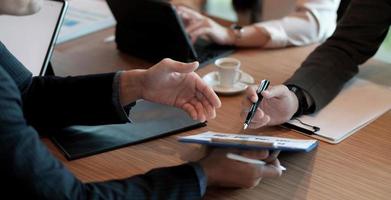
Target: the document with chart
(85, 17)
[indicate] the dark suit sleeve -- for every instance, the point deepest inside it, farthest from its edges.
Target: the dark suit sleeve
(356, 39)
(27, 165)
(54, 102)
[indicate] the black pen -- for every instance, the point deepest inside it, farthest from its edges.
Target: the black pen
(262, 87)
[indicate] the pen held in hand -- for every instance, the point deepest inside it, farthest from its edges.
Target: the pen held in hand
(262, 87)
(240, 158)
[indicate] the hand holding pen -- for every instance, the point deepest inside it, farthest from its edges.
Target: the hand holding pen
(277, 107)
(262, 87)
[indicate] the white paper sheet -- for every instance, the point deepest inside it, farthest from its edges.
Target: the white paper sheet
(359, 103)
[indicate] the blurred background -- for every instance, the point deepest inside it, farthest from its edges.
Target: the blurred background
(247, 11)
(87, 16)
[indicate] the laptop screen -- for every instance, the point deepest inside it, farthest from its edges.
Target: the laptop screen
(31, 38)
(151, 29)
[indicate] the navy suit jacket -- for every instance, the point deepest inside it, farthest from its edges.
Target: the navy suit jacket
(29, 171)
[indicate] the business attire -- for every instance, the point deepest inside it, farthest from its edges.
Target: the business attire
(358, 36)
(29, 105)
(308, 22)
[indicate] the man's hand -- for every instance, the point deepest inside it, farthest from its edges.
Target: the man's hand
(225, 172)
(278, 106)
(172, 83)
(198, 25)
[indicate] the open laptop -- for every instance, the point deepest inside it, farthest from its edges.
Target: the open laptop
(151, 29)
(31, 38)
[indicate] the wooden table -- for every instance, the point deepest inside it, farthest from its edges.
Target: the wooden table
(357, 168)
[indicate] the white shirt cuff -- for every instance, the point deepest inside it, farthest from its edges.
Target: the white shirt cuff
(278, 36)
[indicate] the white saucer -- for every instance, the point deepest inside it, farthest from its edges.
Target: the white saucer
(212, 80)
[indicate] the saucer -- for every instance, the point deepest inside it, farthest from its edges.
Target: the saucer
(212, 80)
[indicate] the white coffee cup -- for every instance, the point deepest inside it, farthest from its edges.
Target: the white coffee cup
(228, 71)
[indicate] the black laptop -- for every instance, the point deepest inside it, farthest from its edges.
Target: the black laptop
(151, 29)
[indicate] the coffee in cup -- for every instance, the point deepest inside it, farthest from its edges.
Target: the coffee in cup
(228, 71)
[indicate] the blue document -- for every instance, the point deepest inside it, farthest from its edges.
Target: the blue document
(250, 141)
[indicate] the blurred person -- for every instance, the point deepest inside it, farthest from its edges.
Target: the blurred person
(311, 21)
(323, 74)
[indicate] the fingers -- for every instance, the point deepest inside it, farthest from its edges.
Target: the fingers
(201, 115)
(223, 171)
(202, 100)
(278, 91)
(184, 11)
(191, 110)
(209, 109)
(278, 104)
(260, 119)
(272, 156)
(199, 110)
(252, 94)
(195, 109)
(271, 170)
(175, 66)
(258, 171)
(208, 93)
(200, 28)
(259, 155)
(201, 32)
(265, 155)
(194, 26)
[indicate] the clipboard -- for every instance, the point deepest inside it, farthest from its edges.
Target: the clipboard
(250, 142)
(358, 104)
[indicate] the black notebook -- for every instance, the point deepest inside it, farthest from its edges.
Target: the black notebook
(149, 120)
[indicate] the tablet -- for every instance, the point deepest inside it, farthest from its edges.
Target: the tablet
(31, 38)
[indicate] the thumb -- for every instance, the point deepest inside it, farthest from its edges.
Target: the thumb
(276, 92)
(175, 66)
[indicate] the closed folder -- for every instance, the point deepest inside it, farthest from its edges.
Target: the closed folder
(149, 121)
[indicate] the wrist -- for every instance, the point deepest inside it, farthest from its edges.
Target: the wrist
(301, 104)
(250, 36)
(263, 35)
(208, 172)
(296, 108)
(231, 38)
(131, 86)
(235, 33)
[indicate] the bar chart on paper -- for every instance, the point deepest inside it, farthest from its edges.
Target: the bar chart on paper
(85, 17)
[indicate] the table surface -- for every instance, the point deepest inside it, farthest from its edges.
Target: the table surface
(357, 168)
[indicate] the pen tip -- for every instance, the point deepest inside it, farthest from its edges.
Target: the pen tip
(245, 126)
